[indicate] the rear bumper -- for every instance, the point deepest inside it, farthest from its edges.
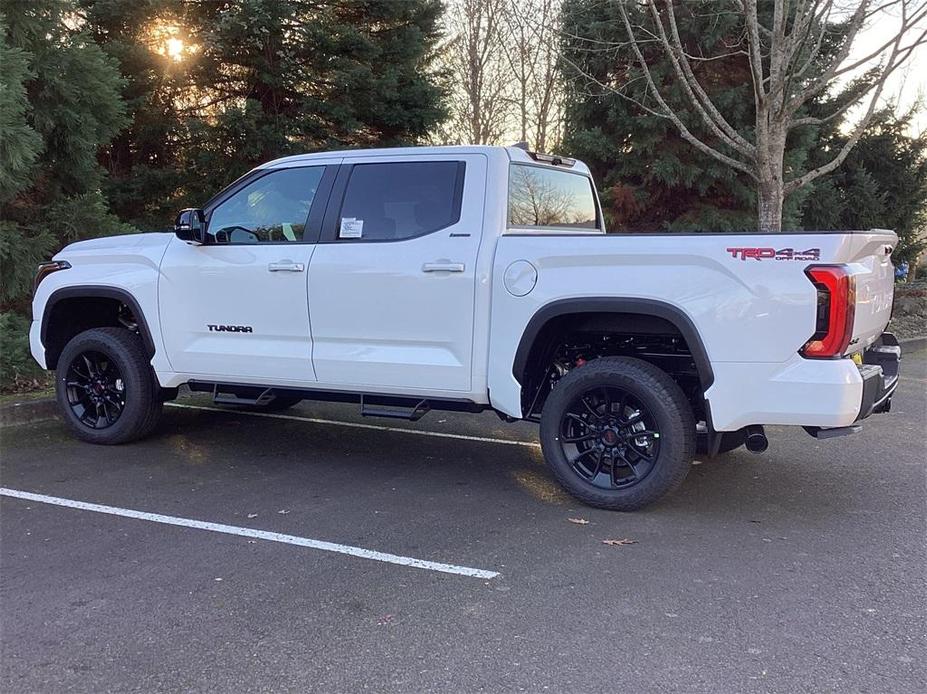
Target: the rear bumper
(817, 394)
(879, 371)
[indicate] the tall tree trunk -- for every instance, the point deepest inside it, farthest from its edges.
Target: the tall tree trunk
(769, 197)
(770, 187)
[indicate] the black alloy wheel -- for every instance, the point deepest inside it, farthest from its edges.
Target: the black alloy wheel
(96, 391)
(106, 389)
(610, 438)
(618, 433)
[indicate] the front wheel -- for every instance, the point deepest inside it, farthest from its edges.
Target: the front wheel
(105, 387)
(618, 433)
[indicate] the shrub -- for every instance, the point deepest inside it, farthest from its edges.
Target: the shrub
(18, 370)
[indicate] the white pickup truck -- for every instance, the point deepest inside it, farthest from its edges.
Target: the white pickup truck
(473, 278)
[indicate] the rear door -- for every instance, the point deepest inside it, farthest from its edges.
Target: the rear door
(392, 283)
(236, 308)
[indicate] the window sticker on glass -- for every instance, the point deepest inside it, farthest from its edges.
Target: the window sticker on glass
(351, 228)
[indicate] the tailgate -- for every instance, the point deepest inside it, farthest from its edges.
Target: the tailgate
(868, 256)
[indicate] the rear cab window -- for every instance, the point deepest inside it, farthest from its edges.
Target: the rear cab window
(542, 198)
(392, 201)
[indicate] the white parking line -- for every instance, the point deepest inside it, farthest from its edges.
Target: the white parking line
(256, 534)
(358, 425)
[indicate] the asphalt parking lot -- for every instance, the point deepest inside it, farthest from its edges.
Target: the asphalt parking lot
(802, 569)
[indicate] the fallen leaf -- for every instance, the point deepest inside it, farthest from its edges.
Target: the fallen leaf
(252, 515)
(283, 512)
(619, 543)
(578, 521)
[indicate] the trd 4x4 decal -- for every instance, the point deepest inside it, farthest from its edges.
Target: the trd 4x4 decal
(229, 328)
(772, 253)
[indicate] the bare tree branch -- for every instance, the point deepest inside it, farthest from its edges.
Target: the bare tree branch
(702, 102)
(897, 57)
(667, 112)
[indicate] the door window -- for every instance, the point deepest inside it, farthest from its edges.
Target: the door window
(400, 200)
(542, 197)
(272, 208)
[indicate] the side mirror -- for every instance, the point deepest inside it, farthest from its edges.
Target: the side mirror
(190, 225)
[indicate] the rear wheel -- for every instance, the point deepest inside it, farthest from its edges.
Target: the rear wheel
(618, 433)
(105, 387)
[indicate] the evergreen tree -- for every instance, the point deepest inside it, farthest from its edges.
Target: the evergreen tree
(295, 75)
(257, 79)
(282, 77)
(882, 184)
(145, 161)
(59, 101)
(652, 179)
(64, 103)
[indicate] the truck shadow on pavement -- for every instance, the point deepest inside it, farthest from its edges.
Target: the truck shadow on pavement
(236, 458)
(798, 475)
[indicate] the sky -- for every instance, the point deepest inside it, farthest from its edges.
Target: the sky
(909, 82)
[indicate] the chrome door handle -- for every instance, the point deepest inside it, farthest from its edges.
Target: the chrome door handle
(443, 266)
(286, 266)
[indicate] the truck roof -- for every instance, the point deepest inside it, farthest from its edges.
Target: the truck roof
(516, 154)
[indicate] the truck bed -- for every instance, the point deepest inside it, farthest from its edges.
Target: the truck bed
(747, 295)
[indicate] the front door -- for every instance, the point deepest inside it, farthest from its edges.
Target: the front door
(236, 309)
(392, 283)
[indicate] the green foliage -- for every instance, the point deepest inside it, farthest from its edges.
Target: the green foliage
(882, 184)
(64, 103)
(18, 370)
(59, 102)
(651, 178)
(103, 130)
(21, 249)
(19, 143)
(296, 76)
(145, 162)
(259, 79)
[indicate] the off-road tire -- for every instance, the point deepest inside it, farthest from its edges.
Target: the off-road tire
(667, 403)
(143, 403)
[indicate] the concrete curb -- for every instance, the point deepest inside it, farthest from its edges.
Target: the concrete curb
(912, 344)
(28, 411)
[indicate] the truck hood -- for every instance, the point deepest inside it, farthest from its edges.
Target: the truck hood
(131, 244)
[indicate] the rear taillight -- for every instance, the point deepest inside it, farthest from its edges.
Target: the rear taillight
(836, 310)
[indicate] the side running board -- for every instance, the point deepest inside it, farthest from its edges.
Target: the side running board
(395, 408)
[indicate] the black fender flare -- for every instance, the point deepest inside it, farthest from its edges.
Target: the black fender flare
(646, 307)
(95, 292)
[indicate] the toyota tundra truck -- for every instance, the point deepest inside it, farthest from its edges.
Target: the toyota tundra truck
(474, 278)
